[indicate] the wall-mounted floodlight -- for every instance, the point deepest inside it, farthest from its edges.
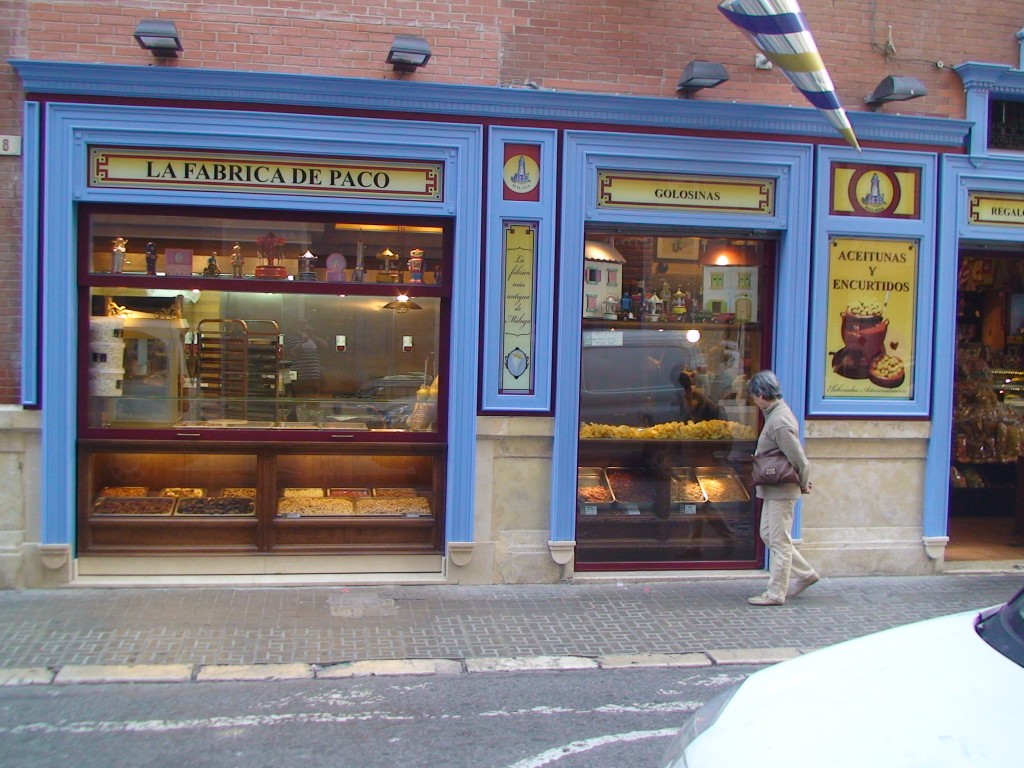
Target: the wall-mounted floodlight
(159, 37)
(895, 89)
(408, 53)
(701, 74)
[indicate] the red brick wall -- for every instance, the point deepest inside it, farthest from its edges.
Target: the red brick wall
(10, 207)
(637, 48)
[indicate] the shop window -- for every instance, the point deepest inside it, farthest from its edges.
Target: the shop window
(1005, 124)
(666, 429)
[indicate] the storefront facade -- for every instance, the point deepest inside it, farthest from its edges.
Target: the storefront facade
(513, 317)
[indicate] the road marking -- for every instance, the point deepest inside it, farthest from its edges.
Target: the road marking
(549, 756)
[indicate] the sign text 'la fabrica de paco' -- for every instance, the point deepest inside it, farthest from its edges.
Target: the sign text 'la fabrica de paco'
(207, 171)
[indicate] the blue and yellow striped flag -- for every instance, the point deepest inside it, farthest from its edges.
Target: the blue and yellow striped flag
(779, 30)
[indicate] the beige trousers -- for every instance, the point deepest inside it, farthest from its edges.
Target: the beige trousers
(777, 534)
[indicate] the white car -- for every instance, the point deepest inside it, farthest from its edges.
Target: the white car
(938, 693)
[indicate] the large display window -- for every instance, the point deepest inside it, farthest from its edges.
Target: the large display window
(673, 327)
(261, 383)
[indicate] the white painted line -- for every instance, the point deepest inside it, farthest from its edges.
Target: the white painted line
(551, 756)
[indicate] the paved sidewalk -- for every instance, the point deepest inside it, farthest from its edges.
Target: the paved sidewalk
(96, 635)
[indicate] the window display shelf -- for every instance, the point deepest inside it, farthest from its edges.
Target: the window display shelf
(252, 283)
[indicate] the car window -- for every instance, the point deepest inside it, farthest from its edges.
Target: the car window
(1004, 629)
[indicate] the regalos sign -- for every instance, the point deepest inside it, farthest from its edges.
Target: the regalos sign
(128, 168)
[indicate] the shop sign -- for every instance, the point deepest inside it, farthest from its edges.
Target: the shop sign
(518, 309)
(521, 172)
(129, 168)
(996, 208)
(656, 191)
(871, 297)
(875, 191)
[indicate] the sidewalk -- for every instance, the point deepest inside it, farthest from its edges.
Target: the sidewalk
(101, 635)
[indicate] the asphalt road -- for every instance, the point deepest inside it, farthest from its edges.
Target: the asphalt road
(562, 719)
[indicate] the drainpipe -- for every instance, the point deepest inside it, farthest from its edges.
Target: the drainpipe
(1020, 42)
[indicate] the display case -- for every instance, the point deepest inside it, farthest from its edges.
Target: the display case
(662, 501)
(213, 388)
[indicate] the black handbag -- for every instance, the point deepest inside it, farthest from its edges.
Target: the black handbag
(773, 468)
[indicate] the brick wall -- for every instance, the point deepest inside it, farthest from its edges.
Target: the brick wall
(638, 47)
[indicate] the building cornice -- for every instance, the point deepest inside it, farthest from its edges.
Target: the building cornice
(53, 79)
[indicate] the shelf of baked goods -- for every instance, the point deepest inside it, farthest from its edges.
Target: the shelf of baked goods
(679, 490)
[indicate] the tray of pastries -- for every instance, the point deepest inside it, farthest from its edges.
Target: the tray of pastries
(351, 493)
(125, 490)
(393, 505)
(216, 507)
(144, 506)
(685, 488)
(721, 484)
(592, 489)
(303, 493)
(298, 506)
(393, 492)
(183, 493)
(238, 493)
(632, 487)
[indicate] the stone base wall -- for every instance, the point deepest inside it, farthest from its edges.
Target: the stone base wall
(864, 516)
(21, 564)
(513, 499)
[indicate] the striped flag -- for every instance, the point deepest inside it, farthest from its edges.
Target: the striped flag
(779, 30)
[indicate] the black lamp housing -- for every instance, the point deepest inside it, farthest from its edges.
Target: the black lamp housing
(894, 88)
(159, 37)
(701, 74)
(408, 53)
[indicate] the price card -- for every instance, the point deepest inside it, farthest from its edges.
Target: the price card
(689, 509)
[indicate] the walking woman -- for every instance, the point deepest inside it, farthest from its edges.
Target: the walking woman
(786, 565)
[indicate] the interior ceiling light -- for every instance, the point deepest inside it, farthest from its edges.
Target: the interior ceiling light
(402, 303)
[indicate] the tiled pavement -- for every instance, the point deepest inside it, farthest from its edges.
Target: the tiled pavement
(330, 626)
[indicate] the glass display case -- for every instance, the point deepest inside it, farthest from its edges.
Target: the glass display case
(227, 361)
(666, 429)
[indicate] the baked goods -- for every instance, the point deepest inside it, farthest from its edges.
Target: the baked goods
(125, 490)
(712, 429)
(312, 506)
(119, 505)
(722, 487)
(352, 493)
(686, 490)
(594, 494)
(303, 493)
(632, 486)
(183, 493)
(238, 493)
(222, 507)
(393, 492)
(394, 505)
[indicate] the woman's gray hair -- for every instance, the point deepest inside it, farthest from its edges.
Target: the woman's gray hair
(765, 384)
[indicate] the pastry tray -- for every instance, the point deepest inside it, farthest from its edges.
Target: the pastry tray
(238, 493)
(124, 505)
(721, 485)
(115, 491)
(183, 493)
(600, 498)
(315, 507)
(393, 506)
(391, 493)
(631, 488)
(303, 493)
(216, 507)
(352, 493)
(685, 488)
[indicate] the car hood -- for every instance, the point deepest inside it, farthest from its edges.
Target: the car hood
(928, 694)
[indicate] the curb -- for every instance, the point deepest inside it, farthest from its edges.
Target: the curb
(103, 674)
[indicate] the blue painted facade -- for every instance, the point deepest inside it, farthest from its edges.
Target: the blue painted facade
(466, 128)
